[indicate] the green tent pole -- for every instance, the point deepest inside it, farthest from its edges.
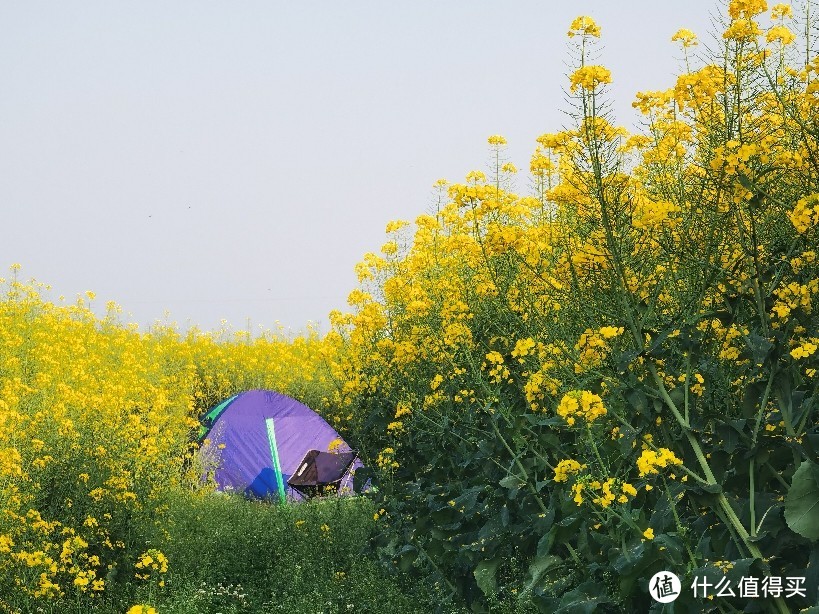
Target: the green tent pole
(274, 453)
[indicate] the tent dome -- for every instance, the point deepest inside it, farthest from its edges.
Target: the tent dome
(236, 441)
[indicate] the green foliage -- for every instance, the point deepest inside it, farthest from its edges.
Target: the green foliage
(802, 502)
(230, 555)
(293, 558)
(572, 391)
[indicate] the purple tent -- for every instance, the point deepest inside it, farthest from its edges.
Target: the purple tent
(235, 442)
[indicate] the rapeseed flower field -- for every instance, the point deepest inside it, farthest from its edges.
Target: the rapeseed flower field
(558, 394)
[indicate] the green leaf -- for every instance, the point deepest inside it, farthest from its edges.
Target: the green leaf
(485, 575)
(511, 481)
(713, 489)
(812, 447)
(802, 501)
(752, 398)
(729, 437)
(545, 543)
(406, 557)
(539, 420)
(582, 600)
(759, 348)
(504, 516)
(745, 182)
(639, 401)
(540, 566)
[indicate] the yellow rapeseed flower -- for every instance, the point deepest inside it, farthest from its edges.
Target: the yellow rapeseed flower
(650, 460)
(566, 468)
(780, 34)
(686, 37)
(589, 77)
(584, 26)
(781, 11)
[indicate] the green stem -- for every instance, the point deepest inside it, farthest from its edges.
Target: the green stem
(751, 495)
(596, 451)
(522, 469)
(680, 528)
(573, 552)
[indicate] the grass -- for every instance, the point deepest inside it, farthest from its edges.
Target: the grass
(230, 555)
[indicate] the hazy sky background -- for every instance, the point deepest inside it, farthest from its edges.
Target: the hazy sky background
(236, 159)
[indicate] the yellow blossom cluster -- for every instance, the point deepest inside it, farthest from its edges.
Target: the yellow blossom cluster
(746, 9)
(742, 30)
(580, 404)
(650, 461)
(781, 11)
(386, 459)
(805, 215)
(540, 384)
(567, 468)
(584, 26)
(593, 347)
(805, 349)
(649, 215)
(589, 77)
(780, 34)
(698, 89)
(150, 564)
(603, 493)
(794, 296)
(686, 37)
(497, 371)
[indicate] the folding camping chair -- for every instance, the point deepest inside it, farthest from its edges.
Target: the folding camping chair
(321, 472)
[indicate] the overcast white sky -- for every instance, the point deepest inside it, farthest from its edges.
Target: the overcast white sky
(236, 159)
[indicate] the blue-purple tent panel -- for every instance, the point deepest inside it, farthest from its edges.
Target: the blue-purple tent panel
(238, 447)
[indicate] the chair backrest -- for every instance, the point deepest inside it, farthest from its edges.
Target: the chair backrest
(321, 469)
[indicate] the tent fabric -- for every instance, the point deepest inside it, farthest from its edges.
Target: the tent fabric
(213, 414)
(237, 444)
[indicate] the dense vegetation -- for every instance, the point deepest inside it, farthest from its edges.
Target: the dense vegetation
(558, 394)
(616, 375)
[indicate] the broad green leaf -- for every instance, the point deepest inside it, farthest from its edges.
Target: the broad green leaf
(802, 502)
(541, 565)
(511, 482)
(485, 575)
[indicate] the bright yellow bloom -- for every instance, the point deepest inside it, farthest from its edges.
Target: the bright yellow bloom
(566, 468)
(577, 489)
(686, 37)
(589, 77)
(805, 350)
(584, 26)
(780, 34)
(648, 533)
(742, 30)
(649, 461)
(781, 11)
(805, 214)
(580, 403)
(609, 332)
(746, 8)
